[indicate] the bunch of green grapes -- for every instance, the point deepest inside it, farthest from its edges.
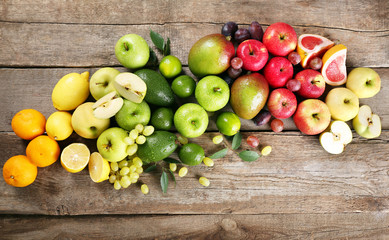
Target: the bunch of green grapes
(137, 136)
(125, 172)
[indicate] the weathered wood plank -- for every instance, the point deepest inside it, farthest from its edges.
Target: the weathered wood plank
(365, 226)
(31, 88)
(72, 45)
(309, 13)
(298, 177)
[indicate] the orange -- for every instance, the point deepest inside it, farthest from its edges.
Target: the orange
(43, 151)
(310, 46)
(18, 171)
(28, 124)
(334, 68)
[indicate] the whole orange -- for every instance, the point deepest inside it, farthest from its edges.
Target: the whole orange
(18, 171)
(43, 151)
(28, 124)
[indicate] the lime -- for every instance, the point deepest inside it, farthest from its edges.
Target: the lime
(162, 118)
(191, 154)
(183, 86)
(170, 66)
(228, 123)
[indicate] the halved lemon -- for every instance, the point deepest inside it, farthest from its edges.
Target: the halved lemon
(310, 46)
(334, 65)
(75, 157)
(98, 168)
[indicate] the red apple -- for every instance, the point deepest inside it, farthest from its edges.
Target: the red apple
(312, 83)
(278, 71)
(312, 116)
(282, 103)
(280, 39)
(253, 53)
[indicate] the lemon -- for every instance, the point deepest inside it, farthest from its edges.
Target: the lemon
(98, 168)
(75, 157)
(59, 125)
(70, 91)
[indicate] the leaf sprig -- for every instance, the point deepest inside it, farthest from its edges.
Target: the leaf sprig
(160, 43)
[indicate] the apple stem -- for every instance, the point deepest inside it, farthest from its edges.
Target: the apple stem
(193, 123)
(125, 46)
(346, 101)
(251, 49)
(216, 89)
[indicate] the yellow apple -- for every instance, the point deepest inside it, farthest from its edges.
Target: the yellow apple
(342, 103)
(364, 82)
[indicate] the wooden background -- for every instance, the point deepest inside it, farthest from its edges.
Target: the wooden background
(298, 192)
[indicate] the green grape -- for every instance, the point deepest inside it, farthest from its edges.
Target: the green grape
(148, 130)
(129, 141)
(134, 134)
(124, 171)
(173, 167)
(134, 175)
(266, 151)
(139, 170)
(139, 127)
(123, 164)
(208, 161)
(183, 140)
(183, 171)
(217, 139)
(204, 181)
(132, 168)
(145, 189)
(114, 166)
(131, 149)
(140, 139)
(112, 178)
(137, 162)
(125, 182)
(117, 185)
(133, 180)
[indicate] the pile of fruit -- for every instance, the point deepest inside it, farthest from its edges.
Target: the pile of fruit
(265, 76)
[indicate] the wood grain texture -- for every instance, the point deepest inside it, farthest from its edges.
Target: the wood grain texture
(366, 226)
(70, 45)
(31, 88)
(303, 180)
(315, 13)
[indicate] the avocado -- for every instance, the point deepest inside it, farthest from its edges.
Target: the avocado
(158, 146)
(158, 92)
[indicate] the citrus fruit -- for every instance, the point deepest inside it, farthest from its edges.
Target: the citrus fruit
(228, 123)
(162, 118)
(183, 86)
(28, 124)
(18, 171)
(170, 66)
(191, 154)
(59, 125)
(75, 157)
(334, 65)
(310, 46)
(43, 151)
(98, 168)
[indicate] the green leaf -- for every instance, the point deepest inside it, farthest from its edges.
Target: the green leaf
(157, 40)
(236, 141)
(249, 156)
(153, 60)
(174, 178)
(150, 169)
(164, 182)
(166, 47)
(171, 160)
(219, 154)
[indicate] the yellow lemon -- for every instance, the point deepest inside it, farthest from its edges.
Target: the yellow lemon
(75, 157)
(59, 125)
(70, 91)
(98, 168)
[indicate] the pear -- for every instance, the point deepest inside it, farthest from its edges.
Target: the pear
(336, 137)
(366, 123)
(107, 106)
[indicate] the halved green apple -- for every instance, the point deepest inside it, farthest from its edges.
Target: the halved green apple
(336, 137)
(130, 86)
(107, 106)
(366, 123)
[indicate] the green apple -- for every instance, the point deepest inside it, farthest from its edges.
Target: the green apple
(130, 86)
(367, 124)
(133, 113)
(228, 123)
(364, 82)
(191, 120)
(86, 124)
(132, 51)
(107, 106)
(111, 144)
(342, 103)
(335, 139)
(212, 93)
(101, 82)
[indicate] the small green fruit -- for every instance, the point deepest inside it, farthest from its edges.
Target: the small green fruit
(191, 154)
